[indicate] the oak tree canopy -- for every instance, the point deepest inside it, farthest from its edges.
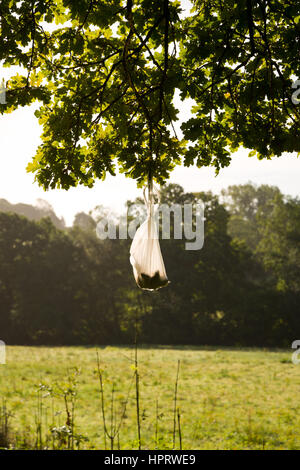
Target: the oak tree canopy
(105, 73)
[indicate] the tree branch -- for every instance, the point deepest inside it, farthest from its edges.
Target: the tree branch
(250, 25)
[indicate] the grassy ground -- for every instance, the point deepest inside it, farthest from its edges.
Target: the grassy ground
(227, 398)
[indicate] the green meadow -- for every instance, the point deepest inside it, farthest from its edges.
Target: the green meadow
(226, 398)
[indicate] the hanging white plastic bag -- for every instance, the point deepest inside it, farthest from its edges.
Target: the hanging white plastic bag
(145, 254)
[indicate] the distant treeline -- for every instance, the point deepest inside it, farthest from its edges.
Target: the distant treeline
(63, 285)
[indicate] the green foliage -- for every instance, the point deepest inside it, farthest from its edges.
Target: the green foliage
(268, 222)
(106, 74)
(279, 246)
(242, 287)
(247, 205)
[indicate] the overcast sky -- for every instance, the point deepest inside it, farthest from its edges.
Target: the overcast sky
(20, 137)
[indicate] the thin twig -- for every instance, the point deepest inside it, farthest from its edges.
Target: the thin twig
(179, 429)
(137, 386)
(175, 403)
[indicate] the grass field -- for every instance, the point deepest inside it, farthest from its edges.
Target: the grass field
(227, 398)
